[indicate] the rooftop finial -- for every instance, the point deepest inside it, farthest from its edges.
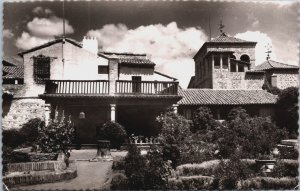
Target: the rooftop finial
(268, 47)
(221, 26)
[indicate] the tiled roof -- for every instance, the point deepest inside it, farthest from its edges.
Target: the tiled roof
(74, 42)
(10, 61)
(128, 58)
(13, 72)
(226, 38)
(225, 97)
(270, 64)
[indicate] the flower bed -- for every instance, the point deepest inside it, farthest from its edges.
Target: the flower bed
(268, 183)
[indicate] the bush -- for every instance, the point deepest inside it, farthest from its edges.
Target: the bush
(288, 153)
(252, 137)
(287, 110)
(284, 183)
(118, 164)
(57, 136)
(114, 132)
(30, 130)
(190, 183)
(12, 138)
(119, 182)
(285, 168)
(203, 120)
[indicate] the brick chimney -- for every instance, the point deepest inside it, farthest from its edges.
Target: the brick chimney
(90, 43)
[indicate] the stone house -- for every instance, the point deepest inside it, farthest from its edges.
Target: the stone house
(93, 87)
(226, 77)
(279, 75)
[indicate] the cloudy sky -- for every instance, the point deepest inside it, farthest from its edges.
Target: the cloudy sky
(170, 32)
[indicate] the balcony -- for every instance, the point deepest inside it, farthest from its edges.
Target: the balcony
(103, 87)
(146, 87)
(77, 87)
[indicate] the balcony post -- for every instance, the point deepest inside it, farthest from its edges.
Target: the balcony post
(47, 113)
(113, 74)
(175, 108)
(113, 112)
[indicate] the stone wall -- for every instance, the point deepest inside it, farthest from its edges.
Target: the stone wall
(22, 110)
(285, 80)
(236, 80)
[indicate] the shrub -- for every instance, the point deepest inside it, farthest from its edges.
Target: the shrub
(252, 137)
(12, 138)
(30, 130)
(57, 136)
(119, 182)
(287, 110)
(118, 163)
(114, 132)
(174, 137)
(205, 168)
(288, 153)
(268, 183)
(190, 183)
(285, 168)
(203, 120)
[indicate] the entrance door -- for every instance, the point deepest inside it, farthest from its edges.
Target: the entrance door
(136, 84)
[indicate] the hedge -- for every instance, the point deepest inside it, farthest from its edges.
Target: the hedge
(268, 183)
(190, 183)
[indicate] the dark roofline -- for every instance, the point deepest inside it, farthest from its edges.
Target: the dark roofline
(122, 53)
(50, 44)
(214, 43)
(165, 75)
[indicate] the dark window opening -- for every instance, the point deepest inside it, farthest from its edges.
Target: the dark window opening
(232, 63)
(102, 69)
(245, 58)
(217, 62)
(241, 68)
(225, 62)
(41, 69)
(136, 84)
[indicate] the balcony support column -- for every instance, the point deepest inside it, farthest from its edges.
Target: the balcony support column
(113, 75)
(47, 113)
(113, 112)
(175, 108)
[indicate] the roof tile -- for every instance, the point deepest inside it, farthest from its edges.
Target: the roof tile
(225, 97)
(271, 64)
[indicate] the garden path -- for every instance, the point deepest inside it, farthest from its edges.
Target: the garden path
(90, 175)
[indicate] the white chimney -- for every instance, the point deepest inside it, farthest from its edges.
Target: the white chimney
(90, 44)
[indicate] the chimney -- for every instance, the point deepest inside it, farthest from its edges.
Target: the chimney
(90, 43)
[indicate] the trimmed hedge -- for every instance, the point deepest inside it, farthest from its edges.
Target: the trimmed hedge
(268, 183)
(119, 182)
(190, 183)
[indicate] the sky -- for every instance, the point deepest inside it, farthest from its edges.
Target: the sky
(170, 32)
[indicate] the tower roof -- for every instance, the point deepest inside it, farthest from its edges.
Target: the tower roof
(225, 38)
(270, 64)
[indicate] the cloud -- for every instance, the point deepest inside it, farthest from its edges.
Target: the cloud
(172, 48)
(26, 41)
(40, 11)
(263, 41)
(41, 30)
(48, 27)
(7, 33)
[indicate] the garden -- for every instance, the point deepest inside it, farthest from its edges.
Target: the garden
(243, 152)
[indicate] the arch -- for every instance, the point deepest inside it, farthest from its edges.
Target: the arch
(245, 58)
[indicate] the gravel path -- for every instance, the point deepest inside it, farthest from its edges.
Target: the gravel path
(90, 175)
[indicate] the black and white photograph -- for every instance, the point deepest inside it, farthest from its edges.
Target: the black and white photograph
(150, 95)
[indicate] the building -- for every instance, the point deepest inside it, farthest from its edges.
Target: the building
(94, 87)
(12, 71)
(226, 77)
(278, 74)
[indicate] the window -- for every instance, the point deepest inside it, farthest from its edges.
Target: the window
(240, 68)
(245, 58)
(217, 62)
(102, 69)
(136, 84)
(225, 62)
(41, 69)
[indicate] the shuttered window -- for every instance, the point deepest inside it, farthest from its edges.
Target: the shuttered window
(41, 69)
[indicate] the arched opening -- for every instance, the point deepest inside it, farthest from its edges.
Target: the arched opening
(245, 58)
(232, 63)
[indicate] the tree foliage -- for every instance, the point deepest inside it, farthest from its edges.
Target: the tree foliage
(114, 132)
(203, 120)
(287, 110)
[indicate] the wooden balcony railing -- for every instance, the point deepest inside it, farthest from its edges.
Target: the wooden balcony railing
(146, 87)
(77, 87)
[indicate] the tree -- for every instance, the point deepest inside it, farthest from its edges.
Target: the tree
(287, 110)
(253, 137)
(203, 120)
(114, 132)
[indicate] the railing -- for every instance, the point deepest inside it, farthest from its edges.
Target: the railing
(146, 87)
(77, 87)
